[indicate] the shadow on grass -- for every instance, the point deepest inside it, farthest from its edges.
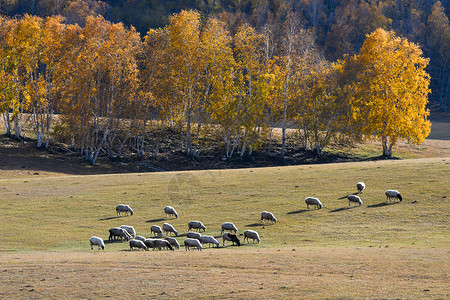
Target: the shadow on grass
(155, 220)
(109, 218)
(345, 197)
(343, 208)
(297, 211)
(114, 241)
(255, 225)
(382, 204)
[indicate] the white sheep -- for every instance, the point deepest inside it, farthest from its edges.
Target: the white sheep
(193, 235)
(162, 244)
(354, 198)
(173, 242)
(170, 211)
(155, 229)
(196, 225)
(129, 229)
(122, 208)
(265, 215)
(207, 239)
(360, 186)
(313, 201)
(119, 232)
(228, 226)
(230, 237)
(252, 235)
(188, 243)
(150, 243)
(139, 238)
(94, 240)
(137, 244)
(393, 194)
(169, 228)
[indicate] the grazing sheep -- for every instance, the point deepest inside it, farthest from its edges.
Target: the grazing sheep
(207, 239)
(193, 235)
(94, 240)
(265, 215)
(170, 211)
(196, 225)
(169, 228)
(137, 244)
(353, 198)
(313, 201)
(188, 243)
(393, 194)
(228, 226)
(162, 244)
(173, 242)
(155, 229)
(122, 208)
(252, 235)
(119, 232)
(129, 229)
(231, 237)
(150, 243)
(139, 238)
(360, 186)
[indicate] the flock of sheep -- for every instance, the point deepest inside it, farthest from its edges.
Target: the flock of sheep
(195, 239)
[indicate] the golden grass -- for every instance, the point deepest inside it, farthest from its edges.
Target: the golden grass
(378, 250)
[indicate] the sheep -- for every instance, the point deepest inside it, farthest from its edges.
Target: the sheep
(228, 226)
(119, 232)
(360, 186)
(123, 208)
(353, 198)
(162, 244)
(137, 244)
(155, 229)
(230, 237)
(265, 215)
(170, 211)
(207, 239)
(173, 242)
(196, 225)
(193, 235)
(169, 228)
(393, 194)
(139, 238)
(129, 229)
(94, 240)
(188, 243)
(150, 243)
(252, 235)
(313, 201)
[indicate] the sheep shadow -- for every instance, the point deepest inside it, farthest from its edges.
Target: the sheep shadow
(342, 209)
(382, 204)
(113, 241)
(298, 211)
(109, 218)
(255, 225)
(345, 197)
(155, 220)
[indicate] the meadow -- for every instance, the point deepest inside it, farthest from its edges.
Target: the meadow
(378, 250)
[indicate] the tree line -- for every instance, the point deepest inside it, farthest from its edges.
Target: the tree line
(107, 85)
(339, 26)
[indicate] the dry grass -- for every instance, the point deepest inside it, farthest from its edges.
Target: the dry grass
(306, 273)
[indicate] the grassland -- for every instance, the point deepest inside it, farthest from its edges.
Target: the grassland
(378, 250)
